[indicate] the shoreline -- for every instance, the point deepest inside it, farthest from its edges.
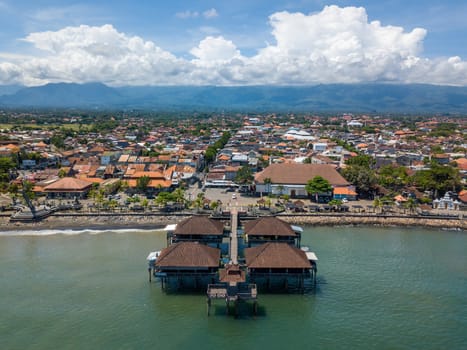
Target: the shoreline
(157, 222)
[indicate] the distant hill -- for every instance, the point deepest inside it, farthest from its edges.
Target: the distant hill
(9, 89)
(334, 97)
(63, 95)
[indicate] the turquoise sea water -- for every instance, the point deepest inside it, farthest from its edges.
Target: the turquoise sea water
(379, 288)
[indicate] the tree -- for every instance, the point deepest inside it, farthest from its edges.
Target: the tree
(411, 204)
(214, 205)
(439, 178)
(363, 178)
(318, 185)
(393, 177)
(361, 160)
(280, 189)
(178, 195)
(199, 201)
(378, 204)
(268, 182)
(57, 141)
(28, 189)
(142, 183)
(62, 173)
(244, 175)
(6, 165)
(163, 198)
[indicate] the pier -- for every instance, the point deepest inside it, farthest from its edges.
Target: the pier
(270, 259)
(233, 287)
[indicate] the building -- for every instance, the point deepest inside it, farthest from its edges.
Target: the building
(291, 178)
(187, 265)
(68, 188)
(198, 228)
(270, 229)
(279, 266)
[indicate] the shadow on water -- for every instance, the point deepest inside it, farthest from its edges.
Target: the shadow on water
(245, 310)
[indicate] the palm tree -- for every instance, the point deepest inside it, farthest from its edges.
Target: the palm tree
(268, 182)
(378, 204)
(199, 201)
(281, 189)
(411, 204)
(178, 195)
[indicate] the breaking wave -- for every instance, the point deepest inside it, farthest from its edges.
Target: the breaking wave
(71, 232)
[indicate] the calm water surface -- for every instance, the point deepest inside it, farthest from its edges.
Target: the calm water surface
(384, 288)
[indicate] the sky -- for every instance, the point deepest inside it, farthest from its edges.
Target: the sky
(232, 43)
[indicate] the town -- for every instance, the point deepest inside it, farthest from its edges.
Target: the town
(143, 162)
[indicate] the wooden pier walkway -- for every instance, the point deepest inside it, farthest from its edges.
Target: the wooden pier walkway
(232, 287)
(233, 246)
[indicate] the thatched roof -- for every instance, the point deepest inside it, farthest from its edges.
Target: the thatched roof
(189, 254)
(300, 174)
(276, 255)
(268, 226)
(199, 225)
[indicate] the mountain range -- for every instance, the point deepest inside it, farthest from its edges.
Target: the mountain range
(408, 98)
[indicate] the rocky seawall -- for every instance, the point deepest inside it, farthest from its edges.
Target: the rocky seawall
(372, 220)
(148, 221)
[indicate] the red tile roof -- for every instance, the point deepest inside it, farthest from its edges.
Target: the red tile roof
(68, 184)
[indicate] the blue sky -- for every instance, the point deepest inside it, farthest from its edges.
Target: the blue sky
(233, 42)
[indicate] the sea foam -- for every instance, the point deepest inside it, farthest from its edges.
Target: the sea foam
(71, 232)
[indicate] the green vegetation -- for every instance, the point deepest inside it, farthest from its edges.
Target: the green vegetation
(438, 178)
(212, 150)
(244, 175)
(359, 172)
(318, 185)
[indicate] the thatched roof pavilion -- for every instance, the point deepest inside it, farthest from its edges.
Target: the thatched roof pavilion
(276, 256)
(198, 228)
(270, 229)
(188, 254)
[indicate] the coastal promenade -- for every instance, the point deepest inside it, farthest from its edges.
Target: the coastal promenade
(150, 220)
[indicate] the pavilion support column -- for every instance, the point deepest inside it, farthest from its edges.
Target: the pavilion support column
(149, 272)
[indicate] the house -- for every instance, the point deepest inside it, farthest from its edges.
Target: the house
(157, 181)
(347, 193)
(291, 178)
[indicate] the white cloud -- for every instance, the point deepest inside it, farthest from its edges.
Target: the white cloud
(187, 14)
(211, 13)
(85, 53)
(336, 45)
(215, 49)
(9, 73)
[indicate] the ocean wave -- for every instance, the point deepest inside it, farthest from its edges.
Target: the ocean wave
(73, 232)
